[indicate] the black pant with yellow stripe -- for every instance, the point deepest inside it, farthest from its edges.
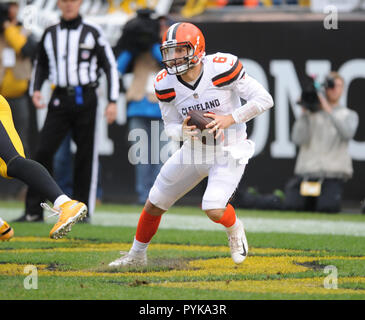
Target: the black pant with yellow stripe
(12, 159)
(67, 114)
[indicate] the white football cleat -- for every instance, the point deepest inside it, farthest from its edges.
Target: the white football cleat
(238, 243)
(131, 259)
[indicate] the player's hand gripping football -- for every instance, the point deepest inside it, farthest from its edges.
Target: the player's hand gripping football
(219, 123)
(189, 131)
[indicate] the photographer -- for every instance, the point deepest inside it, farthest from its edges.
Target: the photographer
(16, 50)
(322, 132)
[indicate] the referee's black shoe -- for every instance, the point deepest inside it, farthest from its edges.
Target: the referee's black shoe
(30, 218)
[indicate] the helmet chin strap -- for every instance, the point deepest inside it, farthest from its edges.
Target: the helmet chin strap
(188, 66)
(177, 70)
(182, 72)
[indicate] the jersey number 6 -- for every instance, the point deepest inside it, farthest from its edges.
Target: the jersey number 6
(220, 59)
(161, 76)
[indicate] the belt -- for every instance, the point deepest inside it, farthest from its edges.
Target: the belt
(71, 91)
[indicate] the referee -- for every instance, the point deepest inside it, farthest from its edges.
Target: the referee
(71, 54)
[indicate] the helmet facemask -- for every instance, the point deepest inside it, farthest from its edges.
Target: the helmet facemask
(178, 57)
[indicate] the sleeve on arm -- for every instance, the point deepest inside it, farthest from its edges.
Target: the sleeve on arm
(41, 68)
(15, 38)
(301, 130)
(30, 47)
(123, 61)
(26, 45)
(107, 61)
(258, 99)
(156, 53)
(346, 123)
(172, 121)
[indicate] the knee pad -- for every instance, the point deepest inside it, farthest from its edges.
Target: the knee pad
(159, 199)
(215, 199)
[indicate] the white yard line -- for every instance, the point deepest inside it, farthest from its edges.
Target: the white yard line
(304, 226)
(176, 221)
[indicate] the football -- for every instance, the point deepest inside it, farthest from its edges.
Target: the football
(200, 121)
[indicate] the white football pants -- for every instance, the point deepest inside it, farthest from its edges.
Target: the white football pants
(177, 177)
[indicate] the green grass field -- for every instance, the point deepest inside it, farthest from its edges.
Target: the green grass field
(186, 264)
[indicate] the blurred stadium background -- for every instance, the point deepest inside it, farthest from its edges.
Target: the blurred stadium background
(279, 41)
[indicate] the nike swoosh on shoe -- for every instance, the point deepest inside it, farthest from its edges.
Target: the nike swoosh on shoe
(244, 253)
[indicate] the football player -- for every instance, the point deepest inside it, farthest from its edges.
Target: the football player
(13, 164)
(213, 83)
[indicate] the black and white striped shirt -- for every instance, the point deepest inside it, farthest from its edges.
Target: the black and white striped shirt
(72, 53)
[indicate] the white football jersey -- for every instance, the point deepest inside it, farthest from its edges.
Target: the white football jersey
(218, 89)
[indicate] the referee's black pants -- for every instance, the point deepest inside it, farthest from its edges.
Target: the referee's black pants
(65, 115)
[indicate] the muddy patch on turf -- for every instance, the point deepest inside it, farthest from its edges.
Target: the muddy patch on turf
(314, 265)
(154, 265)
(268, 270)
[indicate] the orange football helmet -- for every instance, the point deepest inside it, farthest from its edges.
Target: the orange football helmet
(183, 47)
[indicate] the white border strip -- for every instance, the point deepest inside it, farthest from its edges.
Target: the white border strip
(181, 222)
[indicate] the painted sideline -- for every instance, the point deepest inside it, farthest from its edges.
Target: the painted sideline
(176, 221)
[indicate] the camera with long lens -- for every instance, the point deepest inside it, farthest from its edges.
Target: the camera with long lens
(309, 97)
(329, 83)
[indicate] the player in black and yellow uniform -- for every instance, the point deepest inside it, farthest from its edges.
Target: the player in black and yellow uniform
(13, 164)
